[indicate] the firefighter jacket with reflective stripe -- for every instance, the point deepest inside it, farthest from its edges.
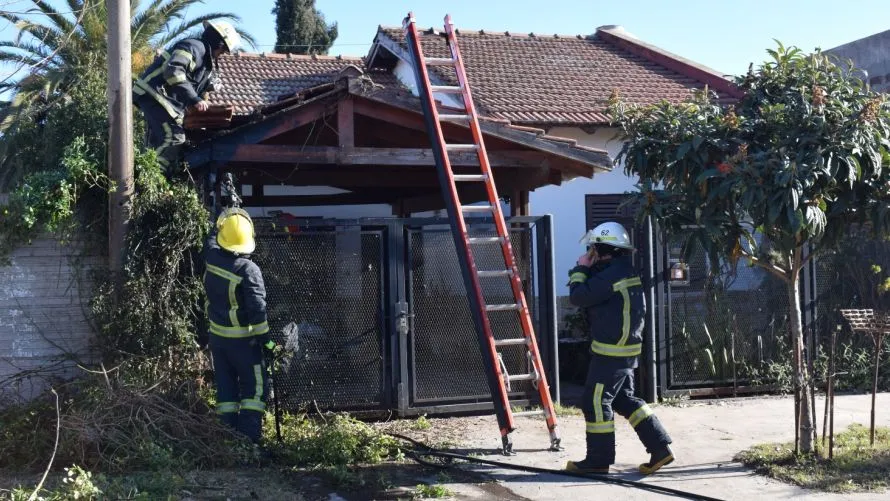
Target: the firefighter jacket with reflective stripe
(177, 78)
(612, 296)
(236, 294)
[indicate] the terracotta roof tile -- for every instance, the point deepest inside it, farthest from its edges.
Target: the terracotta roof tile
(554, 79)
(252, 80)
(520, 78)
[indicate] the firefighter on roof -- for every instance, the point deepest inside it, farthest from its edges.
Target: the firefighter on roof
(236, 316)
(177, 80)
(605, 284)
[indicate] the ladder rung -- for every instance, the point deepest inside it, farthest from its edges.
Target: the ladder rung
(486, 240)
(511, 342)
(476, 208)
(454, 117)
(446, 89)
(461, 147)
(503, 307)
(495, 273)
(470, 177)
(539, 412)
(523, 377)
(440, 61)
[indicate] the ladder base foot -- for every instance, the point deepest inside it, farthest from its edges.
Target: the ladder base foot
(555, 445)
(507, 446)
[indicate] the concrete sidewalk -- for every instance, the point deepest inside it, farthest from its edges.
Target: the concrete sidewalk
(706, 437)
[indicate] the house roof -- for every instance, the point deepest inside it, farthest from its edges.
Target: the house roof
(251, 81)
(524, 78)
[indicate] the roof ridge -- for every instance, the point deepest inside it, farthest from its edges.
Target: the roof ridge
(298, 57)
(618, 37)
(465, 31)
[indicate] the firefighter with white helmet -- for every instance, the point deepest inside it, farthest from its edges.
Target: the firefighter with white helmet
(176, 80)
(606, 286)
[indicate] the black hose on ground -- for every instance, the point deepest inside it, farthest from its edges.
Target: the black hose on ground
(422, 450)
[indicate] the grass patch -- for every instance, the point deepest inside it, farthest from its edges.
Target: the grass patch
(856, 466)
(432, 491)
(561, 410)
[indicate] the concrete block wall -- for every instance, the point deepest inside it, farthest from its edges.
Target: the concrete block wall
(44, 330)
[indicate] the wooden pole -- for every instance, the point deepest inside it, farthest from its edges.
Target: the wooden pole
(831, 375)
(879, 339)
(120, 136)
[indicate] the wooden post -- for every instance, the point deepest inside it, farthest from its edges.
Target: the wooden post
(120, 136)
(879, 340)
(831, 373)
(346, 124)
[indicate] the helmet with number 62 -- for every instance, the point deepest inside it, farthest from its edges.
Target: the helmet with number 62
(608, 233)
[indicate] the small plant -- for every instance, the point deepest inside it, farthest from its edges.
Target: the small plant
(432, 491)
(674, 401)
(421, 424)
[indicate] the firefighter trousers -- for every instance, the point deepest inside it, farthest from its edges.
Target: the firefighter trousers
(609, 390)
(165, 136)
(241, 383)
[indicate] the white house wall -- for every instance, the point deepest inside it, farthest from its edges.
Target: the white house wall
(566, 202)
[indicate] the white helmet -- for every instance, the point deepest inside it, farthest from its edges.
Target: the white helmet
(609, 233)
(230, 37)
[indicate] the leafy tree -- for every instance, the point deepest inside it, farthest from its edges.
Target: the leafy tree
(62, 44)
(301, 28)
(801, 159)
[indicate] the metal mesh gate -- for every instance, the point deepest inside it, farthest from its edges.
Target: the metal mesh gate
(325, 285)
(447, 362)
(338, 288)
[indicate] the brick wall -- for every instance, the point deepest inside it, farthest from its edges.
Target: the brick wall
(44, 296)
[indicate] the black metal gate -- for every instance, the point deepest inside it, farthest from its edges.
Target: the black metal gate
(380, 317)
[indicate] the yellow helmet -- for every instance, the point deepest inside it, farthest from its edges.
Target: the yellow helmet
(235, 231)
(231, 37)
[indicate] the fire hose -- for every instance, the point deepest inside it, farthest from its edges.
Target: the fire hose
(422, 451)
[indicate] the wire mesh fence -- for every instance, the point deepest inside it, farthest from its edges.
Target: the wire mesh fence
(725, 328)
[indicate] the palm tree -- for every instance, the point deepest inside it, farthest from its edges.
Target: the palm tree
(58, 45)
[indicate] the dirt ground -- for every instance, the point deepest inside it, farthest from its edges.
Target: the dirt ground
(706, 437)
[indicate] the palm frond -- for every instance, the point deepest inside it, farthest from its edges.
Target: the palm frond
(59, 19)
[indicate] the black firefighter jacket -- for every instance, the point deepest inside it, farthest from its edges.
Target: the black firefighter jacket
(612, 297)
(177, 79)
(236, 294)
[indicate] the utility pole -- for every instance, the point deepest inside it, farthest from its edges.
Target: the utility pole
(120, 137)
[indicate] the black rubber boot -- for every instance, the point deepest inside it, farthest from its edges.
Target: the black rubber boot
(587, 467)
(598, 459)
(657, 460)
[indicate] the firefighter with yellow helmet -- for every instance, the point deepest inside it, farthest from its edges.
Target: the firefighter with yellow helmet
(177, 80)
(606, 286)
(236, 317)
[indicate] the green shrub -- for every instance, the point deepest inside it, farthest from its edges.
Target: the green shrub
(336, 441)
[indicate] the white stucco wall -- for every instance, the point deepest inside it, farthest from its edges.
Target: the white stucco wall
(566, 202)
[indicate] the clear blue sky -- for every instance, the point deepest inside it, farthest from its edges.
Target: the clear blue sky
(723, 35)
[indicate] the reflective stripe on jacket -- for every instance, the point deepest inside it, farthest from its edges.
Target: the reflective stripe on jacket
(236, 294)
(176, 79)
(612, 296)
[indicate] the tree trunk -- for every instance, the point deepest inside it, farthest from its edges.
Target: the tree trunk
(801, 372)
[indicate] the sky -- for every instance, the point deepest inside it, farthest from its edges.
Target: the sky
(726, 36)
